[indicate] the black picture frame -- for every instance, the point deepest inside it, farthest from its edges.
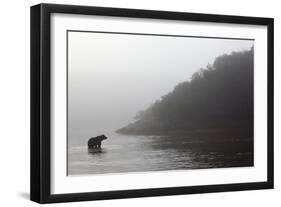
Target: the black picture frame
(40, 184)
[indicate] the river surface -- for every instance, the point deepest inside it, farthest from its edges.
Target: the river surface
(128, 153)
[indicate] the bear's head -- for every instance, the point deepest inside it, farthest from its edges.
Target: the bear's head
(103, 137)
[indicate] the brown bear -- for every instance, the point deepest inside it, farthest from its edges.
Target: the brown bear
(95, 142)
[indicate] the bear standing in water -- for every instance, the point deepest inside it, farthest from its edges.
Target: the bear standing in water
(95, 142)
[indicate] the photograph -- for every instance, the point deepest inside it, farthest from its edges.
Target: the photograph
(129, 103)
(139, 102)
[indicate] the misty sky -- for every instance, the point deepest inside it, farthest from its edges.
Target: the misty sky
(113, 76)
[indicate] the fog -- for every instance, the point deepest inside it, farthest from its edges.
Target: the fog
(113, 76)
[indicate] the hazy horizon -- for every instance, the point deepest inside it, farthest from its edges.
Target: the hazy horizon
(113, 76)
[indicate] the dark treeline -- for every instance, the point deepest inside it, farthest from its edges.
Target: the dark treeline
(217, 100)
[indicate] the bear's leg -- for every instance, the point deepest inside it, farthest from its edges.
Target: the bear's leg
(99, 144)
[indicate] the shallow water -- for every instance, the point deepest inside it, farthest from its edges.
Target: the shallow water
(127, 153)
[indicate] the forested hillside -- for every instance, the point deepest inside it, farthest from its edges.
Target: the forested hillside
(217, 100)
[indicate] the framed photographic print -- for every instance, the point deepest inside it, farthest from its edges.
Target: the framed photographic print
(133, 103)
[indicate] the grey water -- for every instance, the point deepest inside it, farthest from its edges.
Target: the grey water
(129, 153)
